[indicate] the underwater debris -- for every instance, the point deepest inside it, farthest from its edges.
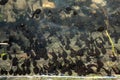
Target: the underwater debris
(4, 44)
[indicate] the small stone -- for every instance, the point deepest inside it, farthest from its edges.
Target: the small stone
(20, 4)
(101, 2)
(48, 4)
(94, 6)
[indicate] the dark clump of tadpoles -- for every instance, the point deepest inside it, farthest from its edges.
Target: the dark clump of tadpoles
(3, 2)
(37, 50)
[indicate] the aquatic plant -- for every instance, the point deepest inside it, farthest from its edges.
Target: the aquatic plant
(112, 44)
(109, 37)
(3, 53)
(106, 31)
(1, 17)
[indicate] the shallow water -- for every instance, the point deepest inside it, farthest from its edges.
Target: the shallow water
(66, 38)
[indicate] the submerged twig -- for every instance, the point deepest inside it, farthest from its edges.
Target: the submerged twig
(4, 44)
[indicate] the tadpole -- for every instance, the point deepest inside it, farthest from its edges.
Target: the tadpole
(11, 71)
(36, 70)
(68, 9)
(36, 12)
(28, 71)
(4, 57)
(3, 2)
(15, 61)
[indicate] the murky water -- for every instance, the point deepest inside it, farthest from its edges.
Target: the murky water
(62, 37)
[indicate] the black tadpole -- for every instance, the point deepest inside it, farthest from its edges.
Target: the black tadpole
(36, 12)
(4, 57)
(75, 13)
(101, 29)
(22, 25)
(68, 9)
(11, 72)
(14, 61)
(3, 2)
